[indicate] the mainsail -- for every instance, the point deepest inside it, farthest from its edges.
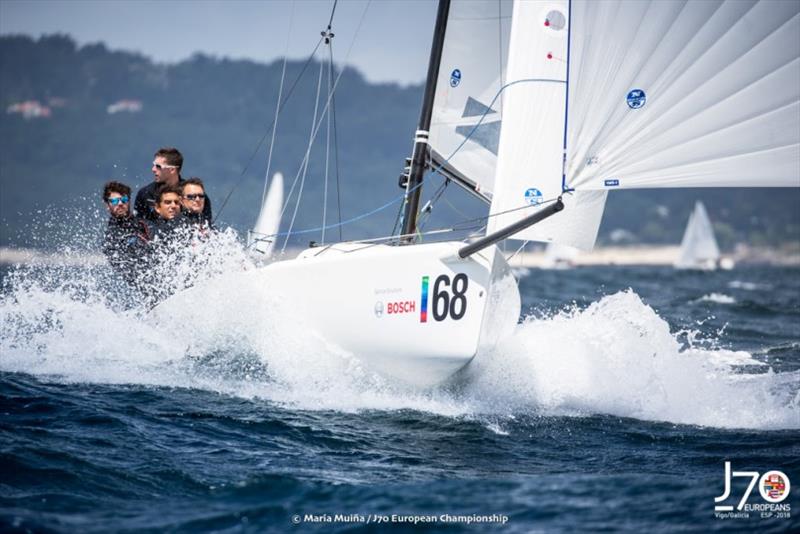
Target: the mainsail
(699, 248)
(618, 94)
(468, 106)
(468, 115)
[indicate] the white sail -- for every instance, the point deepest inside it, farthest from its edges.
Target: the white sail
(660, 94)
(530, 169)
(720, 94)
(467, 108)
(699, 248)
(558, 256)
(261, 240)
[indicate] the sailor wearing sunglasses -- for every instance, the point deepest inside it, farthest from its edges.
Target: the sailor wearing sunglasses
(193, 202)
(166, 168)
(125, 240)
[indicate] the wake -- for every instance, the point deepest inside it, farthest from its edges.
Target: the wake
(616, 356)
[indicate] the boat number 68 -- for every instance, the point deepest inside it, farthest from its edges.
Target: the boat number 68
(444, 303)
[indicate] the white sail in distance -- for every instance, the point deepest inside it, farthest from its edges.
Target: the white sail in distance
(659, 94)
(261, 240)
(699, 248)
(558, 256)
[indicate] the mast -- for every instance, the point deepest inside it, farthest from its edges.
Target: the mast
(420, 153)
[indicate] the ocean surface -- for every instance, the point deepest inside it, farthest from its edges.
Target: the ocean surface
(614, 406)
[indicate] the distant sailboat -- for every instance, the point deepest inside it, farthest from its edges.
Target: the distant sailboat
(558, 256)
(699, 249)
(261, 239)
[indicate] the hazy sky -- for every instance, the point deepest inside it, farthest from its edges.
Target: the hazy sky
(392, 44)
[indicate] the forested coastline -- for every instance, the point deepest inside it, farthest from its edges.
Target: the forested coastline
(219, 113)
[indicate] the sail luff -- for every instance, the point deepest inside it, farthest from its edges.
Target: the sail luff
(530, 167)
(566, 101)
(536, 72)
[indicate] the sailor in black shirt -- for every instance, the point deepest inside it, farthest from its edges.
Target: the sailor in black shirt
(167, 163)
(126, 237)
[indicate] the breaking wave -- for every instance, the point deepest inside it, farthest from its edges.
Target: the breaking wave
(717, 298)
(617, 356)
(748, 286)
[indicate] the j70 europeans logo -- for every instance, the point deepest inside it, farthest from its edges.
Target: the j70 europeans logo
(774, 487)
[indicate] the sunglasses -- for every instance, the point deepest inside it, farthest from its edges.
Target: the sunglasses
(197, 196)
(169, 201)
(117, 200)
(161, 167)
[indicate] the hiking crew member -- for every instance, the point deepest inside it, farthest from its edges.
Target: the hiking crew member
(167, 163)
(168, 237)
(169, 218)
(126, 237)
(193, 202)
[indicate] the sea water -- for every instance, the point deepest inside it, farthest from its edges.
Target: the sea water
(614, 405)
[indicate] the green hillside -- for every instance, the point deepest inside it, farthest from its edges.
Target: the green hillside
(218, 112)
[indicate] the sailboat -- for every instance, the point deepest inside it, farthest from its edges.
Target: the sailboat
(261, 239)
(540, 108)
(558, 256)
(699, 248)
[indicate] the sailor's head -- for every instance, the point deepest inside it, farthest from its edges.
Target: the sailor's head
(193, 195)
(168, 201)
(167, 163)
(117, 197)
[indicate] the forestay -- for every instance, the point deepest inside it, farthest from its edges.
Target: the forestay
(644, 94)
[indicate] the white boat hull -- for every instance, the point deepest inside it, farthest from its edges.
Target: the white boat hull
(416, 313)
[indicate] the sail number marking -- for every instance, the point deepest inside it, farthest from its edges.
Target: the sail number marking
(448, 298)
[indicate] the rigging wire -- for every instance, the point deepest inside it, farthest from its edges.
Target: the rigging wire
(427, 209)
(518, 250)
(288, 95)
(306, 159)
(336, 154)
(483, 116)
(455, 209)
(353, 219)
(335, 137)
(471, 223)
(277, 105)
(398, 216)
(512, 210)
(263, 138)
(333, 11)
(316, 127)
(328, 40)
(273, 125)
